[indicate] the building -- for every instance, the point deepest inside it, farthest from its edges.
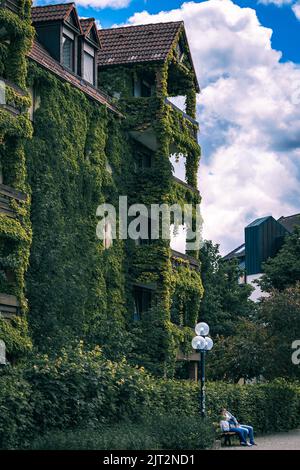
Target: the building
(263, 239)
(87, 117)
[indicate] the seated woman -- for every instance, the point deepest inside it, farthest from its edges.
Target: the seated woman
(233, 425)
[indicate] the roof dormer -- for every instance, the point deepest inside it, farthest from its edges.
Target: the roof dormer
(58, 29)
(88, 50)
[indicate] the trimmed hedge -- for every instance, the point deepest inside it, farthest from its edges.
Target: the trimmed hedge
(80, 390)
(159, 432)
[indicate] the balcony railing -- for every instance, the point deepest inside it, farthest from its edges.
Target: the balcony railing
(193, 124)
(186, 185)
(13, 5)
(7, 194)
(177, 256)
(184, 115)
(9, 305)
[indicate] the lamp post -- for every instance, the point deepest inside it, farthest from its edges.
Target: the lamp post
(202, 343)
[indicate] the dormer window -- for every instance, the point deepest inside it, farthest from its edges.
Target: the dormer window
(90, 44)
(68, 49)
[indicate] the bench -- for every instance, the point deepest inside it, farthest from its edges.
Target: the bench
(226, 437)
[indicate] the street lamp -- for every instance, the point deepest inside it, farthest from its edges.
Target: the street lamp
(202, 343)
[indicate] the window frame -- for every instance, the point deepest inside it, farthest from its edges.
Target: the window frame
(68, 37)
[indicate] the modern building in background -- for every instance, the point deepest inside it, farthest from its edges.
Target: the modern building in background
(263, 239)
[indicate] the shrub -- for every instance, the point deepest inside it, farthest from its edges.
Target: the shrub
(15, 408)
(161, 432)
(82, 390)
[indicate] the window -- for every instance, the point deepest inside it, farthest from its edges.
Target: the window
(142, 301)
(144, 160)
(180, 52)
(68, 53)
(145, 89)
(88, 68)
(142, 88)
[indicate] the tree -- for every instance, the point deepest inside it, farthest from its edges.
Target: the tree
(284, 270)
(225, 301)
(280, 313)
(240, 356)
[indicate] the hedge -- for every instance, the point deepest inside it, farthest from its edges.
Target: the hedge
(80, 389)
(159, 432)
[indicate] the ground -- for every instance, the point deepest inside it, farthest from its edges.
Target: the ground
(280, 441)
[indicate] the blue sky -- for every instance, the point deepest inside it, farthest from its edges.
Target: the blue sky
(247, 58)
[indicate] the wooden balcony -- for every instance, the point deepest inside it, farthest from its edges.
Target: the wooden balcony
(9, 305)
(12, 5)
(7, 194)
(177, 256)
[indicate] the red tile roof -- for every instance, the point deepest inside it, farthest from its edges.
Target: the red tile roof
(43, 58)
(86, 24)
(51, 12)
(134, 44)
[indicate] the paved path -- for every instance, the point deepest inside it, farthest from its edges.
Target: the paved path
(280, 441)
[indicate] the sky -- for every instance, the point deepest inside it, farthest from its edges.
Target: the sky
(247, 58)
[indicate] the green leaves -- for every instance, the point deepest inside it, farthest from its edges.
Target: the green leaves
(284, 270)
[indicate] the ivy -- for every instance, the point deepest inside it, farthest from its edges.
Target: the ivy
(76, 290)
(15, 233)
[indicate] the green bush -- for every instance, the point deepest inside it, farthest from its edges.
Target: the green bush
(160, 432)
(15, 408)
(82, 390)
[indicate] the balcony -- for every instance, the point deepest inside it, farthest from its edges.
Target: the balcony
(12, 5)
(185, 185)
(7, 194)
(187, 120)
(12, 98)
(177, 258)
(9, 305)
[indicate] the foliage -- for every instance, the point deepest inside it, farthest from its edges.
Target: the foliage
(82, 390)
(158, 432)
(283, 270)
(15, 233)
(15, 408)
(242, 355)
(280, 314)
(15, 335)
(225, 301)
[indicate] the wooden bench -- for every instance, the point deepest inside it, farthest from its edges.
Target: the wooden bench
(226, 437)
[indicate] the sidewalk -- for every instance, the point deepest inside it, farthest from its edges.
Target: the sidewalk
(280, 441)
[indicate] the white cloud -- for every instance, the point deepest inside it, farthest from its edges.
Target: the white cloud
(276, 2)
(249, 125)
(296, 9)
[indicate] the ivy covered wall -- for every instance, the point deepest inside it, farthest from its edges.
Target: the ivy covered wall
(15, 131)
(168, 325)
(81, 155)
